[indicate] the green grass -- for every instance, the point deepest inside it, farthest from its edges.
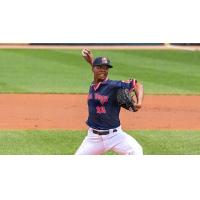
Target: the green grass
(39, 142)
(64, 71)
(66, 142)
(169, 142)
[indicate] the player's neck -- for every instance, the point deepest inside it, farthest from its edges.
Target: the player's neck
(97, 81)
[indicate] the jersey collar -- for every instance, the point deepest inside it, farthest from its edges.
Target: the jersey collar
(100, 83)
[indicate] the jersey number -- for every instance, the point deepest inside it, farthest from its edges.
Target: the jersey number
(100, 109)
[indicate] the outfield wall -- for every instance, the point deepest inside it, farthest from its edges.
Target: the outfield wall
(177, 46)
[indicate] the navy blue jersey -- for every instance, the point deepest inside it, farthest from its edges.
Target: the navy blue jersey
(102, 104)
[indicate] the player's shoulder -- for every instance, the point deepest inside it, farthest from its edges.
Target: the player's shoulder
(128, 81)
(116, 82)
(122, 83)
(112, 83)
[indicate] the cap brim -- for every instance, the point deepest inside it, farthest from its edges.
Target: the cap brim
(110, 66)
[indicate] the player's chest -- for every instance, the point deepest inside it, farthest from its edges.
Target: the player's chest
(102, 95)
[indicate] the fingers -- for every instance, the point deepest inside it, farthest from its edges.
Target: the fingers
(86, 52)
(138, 106)
(87, 55)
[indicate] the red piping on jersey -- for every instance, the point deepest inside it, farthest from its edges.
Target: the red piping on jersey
(133, 84)
(97, 86)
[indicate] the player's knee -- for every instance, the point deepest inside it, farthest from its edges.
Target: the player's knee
(136, 151)
(78, 152)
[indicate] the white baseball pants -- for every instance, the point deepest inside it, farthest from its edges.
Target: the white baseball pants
(119, 142)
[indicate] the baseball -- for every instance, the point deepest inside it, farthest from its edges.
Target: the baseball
(85, 52)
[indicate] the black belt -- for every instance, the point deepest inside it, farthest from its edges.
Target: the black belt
(103, 132)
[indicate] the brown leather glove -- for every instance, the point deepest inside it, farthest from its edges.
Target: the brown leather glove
(125, 100)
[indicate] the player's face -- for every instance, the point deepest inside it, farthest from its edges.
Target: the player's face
(100, 72)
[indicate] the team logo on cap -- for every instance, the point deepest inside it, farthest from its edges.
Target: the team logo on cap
(104, 60)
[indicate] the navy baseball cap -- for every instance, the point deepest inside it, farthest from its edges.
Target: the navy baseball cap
(102, 61)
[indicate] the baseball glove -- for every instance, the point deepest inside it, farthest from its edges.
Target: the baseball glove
(125, 100)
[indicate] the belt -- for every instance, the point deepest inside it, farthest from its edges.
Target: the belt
(103, 132)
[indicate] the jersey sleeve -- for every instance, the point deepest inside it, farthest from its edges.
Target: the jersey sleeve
(129, 84)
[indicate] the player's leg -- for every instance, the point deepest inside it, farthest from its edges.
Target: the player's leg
(91, 145)
(126, 145)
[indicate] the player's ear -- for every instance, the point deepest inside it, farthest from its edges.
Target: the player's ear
(92, 69)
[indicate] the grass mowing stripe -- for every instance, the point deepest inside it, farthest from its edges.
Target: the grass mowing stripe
(66, 142)
(64, 71)
(42, 71)
(39, 142)
(169, 142)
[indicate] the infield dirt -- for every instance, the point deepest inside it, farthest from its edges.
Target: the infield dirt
(69, 112)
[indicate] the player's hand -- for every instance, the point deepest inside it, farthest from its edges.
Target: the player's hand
(87, 55)
(138, 106)
(86, 52)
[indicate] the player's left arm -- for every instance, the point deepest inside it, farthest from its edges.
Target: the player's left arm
(139, 93)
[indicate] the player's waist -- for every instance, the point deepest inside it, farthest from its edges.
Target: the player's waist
(105, 132)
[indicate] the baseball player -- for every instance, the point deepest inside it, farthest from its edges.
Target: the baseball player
(105, 132)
